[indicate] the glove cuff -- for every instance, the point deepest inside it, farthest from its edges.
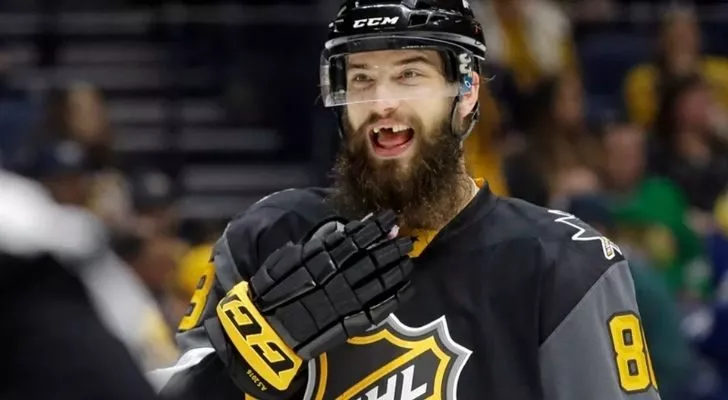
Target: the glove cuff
(259, 360)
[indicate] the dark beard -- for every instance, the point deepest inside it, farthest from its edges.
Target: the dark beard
(425, 196)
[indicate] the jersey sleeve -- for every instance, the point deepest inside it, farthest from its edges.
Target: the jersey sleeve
(241, 249)
(593, 345)
(244, 245)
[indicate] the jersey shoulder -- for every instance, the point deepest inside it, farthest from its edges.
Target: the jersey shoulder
(271, 222)
(300, 200)
(560, 233)
(577, 257)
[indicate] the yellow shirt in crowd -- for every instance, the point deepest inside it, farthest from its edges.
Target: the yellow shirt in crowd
(482, 152)
(640, 92)
(518, 58)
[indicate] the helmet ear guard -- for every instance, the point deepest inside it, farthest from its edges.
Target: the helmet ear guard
(471, 119)
(467, 65)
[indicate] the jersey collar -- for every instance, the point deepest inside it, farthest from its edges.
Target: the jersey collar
(481, 202)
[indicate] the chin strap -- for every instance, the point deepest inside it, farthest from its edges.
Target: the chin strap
(339, 113)
(473, 119)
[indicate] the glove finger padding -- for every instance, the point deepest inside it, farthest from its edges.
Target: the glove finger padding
(318, 294)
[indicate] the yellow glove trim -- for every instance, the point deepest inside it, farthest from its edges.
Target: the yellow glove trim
(271, 361)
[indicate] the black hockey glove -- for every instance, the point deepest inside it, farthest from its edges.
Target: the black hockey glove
(308, 298)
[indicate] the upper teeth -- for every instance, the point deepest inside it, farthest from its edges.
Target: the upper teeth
(395, 128)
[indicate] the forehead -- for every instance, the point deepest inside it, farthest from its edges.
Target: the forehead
(394, 57)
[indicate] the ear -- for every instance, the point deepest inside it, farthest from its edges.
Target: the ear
(467, 102)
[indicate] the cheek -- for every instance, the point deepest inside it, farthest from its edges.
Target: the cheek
(354, 119)
(429, 115)
(356, 116)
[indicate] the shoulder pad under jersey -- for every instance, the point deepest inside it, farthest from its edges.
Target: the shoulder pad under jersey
(286, 216)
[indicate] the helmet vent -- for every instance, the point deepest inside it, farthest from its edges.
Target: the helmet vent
(418, 19)
(437, 18)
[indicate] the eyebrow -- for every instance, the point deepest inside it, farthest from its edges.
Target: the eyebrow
(404, 61)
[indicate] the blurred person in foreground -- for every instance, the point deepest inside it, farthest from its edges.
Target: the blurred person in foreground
(63, 169)
(59, 345)
(651, 214)
(78, 114)
(561, 158)
(691, 148)
(323, 293)
(670, 350)
(678, 54)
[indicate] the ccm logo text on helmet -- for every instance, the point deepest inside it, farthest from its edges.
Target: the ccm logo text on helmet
(376, 21)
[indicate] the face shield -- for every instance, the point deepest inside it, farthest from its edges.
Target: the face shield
(393, 68)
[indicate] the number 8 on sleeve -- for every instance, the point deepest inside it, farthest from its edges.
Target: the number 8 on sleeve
(634, 366)
(198, 300)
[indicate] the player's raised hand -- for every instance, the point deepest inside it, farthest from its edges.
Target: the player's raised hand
(336, 285)
(309, 297)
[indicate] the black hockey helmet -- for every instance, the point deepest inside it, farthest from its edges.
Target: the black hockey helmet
(447, 26)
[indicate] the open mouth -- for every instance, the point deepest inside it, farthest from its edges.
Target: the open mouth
(391, 140)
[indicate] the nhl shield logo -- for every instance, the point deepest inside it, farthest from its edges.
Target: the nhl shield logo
(392, 361)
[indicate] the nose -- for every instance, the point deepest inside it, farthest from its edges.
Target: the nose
(385, 101)
(385, 106)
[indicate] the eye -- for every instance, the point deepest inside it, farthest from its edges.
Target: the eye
(360, 81)
(361, 78)
(409, 75)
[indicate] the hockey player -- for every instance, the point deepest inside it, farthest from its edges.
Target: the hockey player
(323, 294)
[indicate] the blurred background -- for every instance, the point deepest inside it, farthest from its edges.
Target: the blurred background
(166, 119)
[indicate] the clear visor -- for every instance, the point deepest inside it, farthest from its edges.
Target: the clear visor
(391, 75)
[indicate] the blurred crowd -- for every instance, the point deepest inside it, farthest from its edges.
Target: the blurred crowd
(65, 143)
(650, 172)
